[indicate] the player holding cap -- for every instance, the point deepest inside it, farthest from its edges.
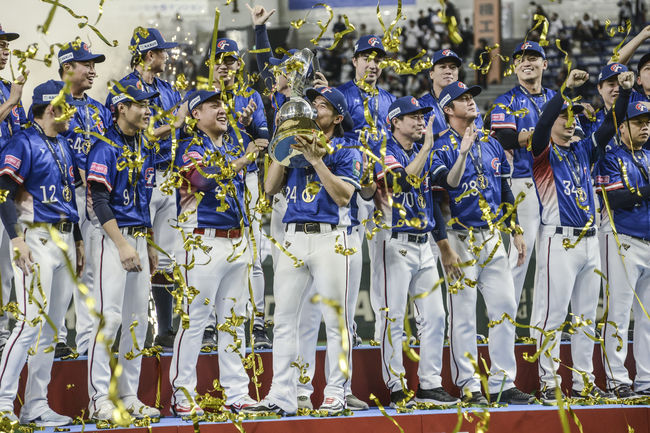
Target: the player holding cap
(472, 167)
(220, 277)
(404, 258)
(149, 59)
(622, 176)
(513, 133)
(568, 246)
(316, 222)
(77, 66)
(12, 117)
(121, 259)
(40, 163)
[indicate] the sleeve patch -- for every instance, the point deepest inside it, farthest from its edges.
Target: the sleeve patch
(498, 117)
(99, 168)
(12, 161)
(192, 155)
(602, 179)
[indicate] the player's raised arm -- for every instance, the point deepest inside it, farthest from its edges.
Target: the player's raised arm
(627, 51)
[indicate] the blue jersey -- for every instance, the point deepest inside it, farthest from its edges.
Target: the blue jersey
(412, 210)
(377, 105)
(12, 124)
(314, 204)
(29, 161)
(563, 181)
(487, 157)
(130, 188)
(638, 96)
(591, 126)
(617, 170)
(439, 123)
(91, 116)
(222, 207)
(517, 99)
(167, 98)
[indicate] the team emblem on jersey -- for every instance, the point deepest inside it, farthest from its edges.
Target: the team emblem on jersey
(403, 252)
(222, 44)
(307, 197)
(149, 175)
(496, 166)
(14, 112)
(71, 172)
(373, 41)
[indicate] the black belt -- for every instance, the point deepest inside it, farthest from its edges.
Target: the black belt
(575, 231)
(134, 230)
(64, 226)
(418, 239)
(310, 228)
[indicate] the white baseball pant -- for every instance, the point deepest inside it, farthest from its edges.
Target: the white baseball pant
(565, 276)
(529, 220)
(122, 299)
(56, 284)
(628, 275)
(310, 318)
(328, 270)
(407, 268)
(6, 274)
(222, 284)
(494, 280)
(162, 209)
(255, 232)
(277, 227)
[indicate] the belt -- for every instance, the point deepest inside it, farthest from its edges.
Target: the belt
(573, 231)
(311, 228)
(64, 226)
(418, 239)
(219, 233)
(133, 230)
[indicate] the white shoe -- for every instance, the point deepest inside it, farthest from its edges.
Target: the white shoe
(304, 402)
(332, 406)
(47, 419)
(184, 409)
(104, 412)
(139, 410)
(241, 404)
(10, 416)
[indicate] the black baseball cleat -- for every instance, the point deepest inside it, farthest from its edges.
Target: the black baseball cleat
(62, 350)
(594, 392)
(399, 399)
(549, 397)
(512, 396)
(435, 396)
(624, 392)
(475, 399)
(166, 341)
(209, 343)
(260, 339)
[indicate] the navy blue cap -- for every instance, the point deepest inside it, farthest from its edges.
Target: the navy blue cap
(636, 109)
(48, 91)
(529, 46)
(611, 70)
(198, 97)
(367, 43)
(446, 54)
(338, 101)
(153, 41)
(227, 46)
(8, 36)
(405, 105)
(78, 52)
(454, 90)
(129, 90)
(644, 59)
(576, 108)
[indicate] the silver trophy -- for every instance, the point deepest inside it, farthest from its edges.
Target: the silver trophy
(296, 116)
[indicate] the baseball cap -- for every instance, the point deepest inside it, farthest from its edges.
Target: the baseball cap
(645, 59)
(405, 105)
(129, 90)
(454, 90)
(78, 52)
(46, 92)
(636, 109)
(8, 36)
(336, 98)
(227, 46)
(370, 42)
(577, 108)
(153, 41)
(198, 97)
(446, 54)
(529, 46)
(611, 70)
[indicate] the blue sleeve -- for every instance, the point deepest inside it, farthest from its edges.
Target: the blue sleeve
(348, 166)
(261, 42)
(101, 166)
(542, 134)
(500, 118)
(16, 159)
(259, 127)
(607, 129)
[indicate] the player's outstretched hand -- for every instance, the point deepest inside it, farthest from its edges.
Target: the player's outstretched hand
(319, 80)
(626, 79)
(246, 116)
(468, 139)
(16, 91)
(22, 255)
(81, 257)
(181, 113)
(129, 258)
(428, 134)
(259, 14)
(577, 78)
(520, 244)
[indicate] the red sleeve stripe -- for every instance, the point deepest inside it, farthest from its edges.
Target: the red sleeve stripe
(99, 179)
(504, 126)
(11, 173)
(382, 173)
(610, 187)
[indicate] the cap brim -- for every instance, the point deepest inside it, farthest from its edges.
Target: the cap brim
(146, 95)
(311, 93)
(516, 53)
(9, 36)
(454, 59)
(166, 46)
(577, 109)
(97, 58)
(379, 50)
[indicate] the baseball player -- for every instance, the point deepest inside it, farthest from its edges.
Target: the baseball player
(608, 90)
(568, 247)
(12, 117)
(622, 176)
(513, 132)
(120, 175)
(77, 66)
(316, 222)
(474, 170)
(39, 163)
(218, 278)
(150, 59)
(404, 258)
(228, 63)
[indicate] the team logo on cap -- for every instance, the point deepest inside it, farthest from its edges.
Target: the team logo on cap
(326, 90)
(446, 52)
(222, 44)
(84, 47)
(373, 41)
(616, 67)
(415, 102)
(641, 107)
(526, 45)
(462, 85)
